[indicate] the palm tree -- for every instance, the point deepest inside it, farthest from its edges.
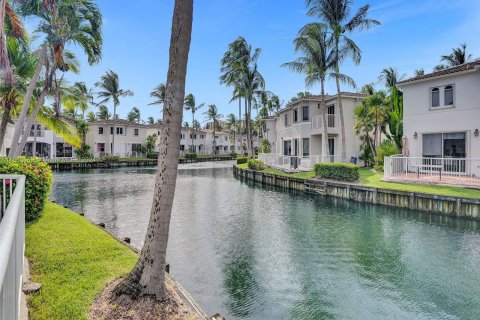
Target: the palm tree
(150, 120)
(134, 115)
(390, 77)
(190, 105)
(232, 127)
(316, 63)
(377, 107)
(336, 15)
(148, 276)
(91, 117)
(103, 113)
(212, 115)
(62, 22)
(159, 94)
(109, 85)
(419, 72)
(458, 56)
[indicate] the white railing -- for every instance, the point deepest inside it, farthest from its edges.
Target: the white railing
(317, 121)
(285, 162)
(12, 244)
(462, 171)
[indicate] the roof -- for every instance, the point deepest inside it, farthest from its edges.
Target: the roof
(470, 66)
(327, 97)
(118, 122)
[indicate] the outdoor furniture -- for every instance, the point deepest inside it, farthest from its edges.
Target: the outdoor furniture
(428, 166)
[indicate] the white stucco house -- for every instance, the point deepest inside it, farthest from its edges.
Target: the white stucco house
(298, 128)
(441, 125)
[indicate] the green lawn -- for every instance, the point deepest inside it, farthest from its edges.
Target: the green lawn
(73, 260)
(371, 179)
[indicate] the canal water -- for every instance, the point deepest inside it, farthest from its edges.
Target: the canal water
(251, 252)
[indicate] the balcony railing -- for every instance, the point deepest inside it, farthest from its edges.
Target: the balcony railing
(460, 171)
(285, 162)
(317, 122)
(12, 244)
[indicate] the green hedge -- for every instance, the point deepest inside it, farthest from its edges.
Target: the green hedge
(242, 160)
(256, 165)
(152, 155)
(337, 171)
(191, 155)
(38, 182)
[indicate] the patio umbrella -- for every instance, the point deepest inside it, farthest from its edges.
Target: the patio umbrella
(405, 151)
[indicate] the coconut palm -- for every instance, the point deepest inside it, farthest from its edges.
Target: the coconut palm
(109, 86)
(458, 56)
(148, 276)
(390, 77)
(150, 120)
(158, 94)
(190, 105)
(213, 116)
(377, 107)
(134, 115)
(103, 113)
(335, 14)
(419, 72)
(232, 127)
(91, 117)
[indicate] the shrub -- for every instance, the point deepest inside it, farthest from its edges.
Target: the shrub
(37, 185)
(386, 149)
(337, 171)
(254, 164)
(233, 154)
(191, 155)
(152, 155)
(111, 158)
(378, 168)
(242, 160)
(265, 146)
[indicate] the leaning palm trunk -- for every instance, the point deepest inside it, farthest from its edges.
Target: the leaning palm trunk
(193, 131)
(249, 129)
(114, 129)
(7, 107)
(148, 276)
(325, 149)
(342, 120)
(14, 152)
(5, 68)
(239, 113)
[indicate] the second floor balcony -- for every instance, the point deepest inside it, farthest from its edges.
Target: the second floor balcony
(332, 122)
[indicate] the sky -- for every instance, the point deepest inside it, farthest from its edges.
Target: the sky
(413, 35)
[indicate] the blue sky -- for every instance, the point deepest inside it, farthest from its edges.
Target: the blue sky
(413, 35)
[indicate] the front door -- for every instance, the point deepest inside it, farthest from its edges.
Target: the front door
(295, 147)
(331, 149)
(287, 148)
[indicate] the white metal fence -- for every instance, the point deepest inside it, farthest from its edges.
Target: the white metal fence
(12, 244)
(286, 162)
(460, 171)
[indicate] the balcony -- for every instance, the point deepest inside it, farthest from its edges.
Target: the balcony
(332, 122)
(12, 244)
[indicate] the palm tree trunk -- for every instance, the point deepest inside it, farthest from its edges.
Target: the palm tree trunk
(249, 129)
(214, 139)
(148, 276)
(26, 104)
(239, 113)
(7, 107)
(325, 149)
(114, 128)
(193, 130)
(342, 120)
(5, 67)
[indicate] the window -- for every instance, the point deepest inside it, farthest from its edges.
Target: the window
(136, 147)
(135, 132)
(435, 97)
(158, 133)
(331, 116)
(444, 145)
(287, 148)
(306, 147)
(63, 150)
(111, 130)
(119, 130)
(100, 130)
(449, 95)
(305, 115)
(182, 147)
(295, 115)
(286, 119)
(101, 147)
(226, 138)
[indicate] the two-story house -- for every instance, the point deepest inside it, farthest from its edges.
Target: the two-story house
(297, 130)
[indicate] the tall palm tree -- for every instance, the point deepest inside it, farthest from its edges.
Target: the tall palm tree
(158, 94)
(212, 115)
(390, 77)
(91, 117)
(232, 127)
(190, 105)
(317, 64)
(103, 113)
(458, 56)
(109, 86)
(377, 107)
(419, 72)
(335, 14)
(62, 22)
(148, 276)
(150, 120)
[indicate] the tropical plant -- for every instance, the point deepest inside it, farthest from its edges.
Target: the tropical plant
(109, 86)
(84, 151)
(300, 95)
(103, 113)
(390, 77)
(190, 105)
(212, 115)
(457, 57)
(232, 127)
(148, 276)
(335, 14)
(134, 115)
(150, 120)
(377, 107)
(158, 94)
(265, 146)
(419, 72)
(92, 117)
(150, 143)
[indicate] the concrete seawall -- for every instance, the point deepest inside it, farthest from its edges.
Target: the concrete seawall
(448, 206)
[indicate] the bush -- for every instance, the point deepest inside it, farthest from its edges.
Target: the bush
(110, 158)
(337, 171)
(233, 154)
(378, 168)
(256, 165)
(152, 155)
(386, 149)
(265, 146)
(191, 155)
(242, 160)
(37, 185)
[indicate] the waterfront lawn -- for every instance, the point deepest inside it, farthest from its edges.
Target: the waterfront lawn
(73, 260)
(372, 179)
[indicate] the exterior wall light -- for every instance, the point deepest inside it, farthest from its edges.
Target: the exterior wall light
(476, 133)
(415, 135)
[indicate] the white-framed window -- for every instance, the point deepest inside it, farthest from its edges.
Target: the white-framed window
(100, 130)
(448, 95)
(286, 119)
(135, 132)
(305, 113)
(435, 96)
(119, 130)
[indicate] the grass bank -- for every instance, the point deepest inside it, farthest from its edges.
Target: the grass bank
(73, 260)
(371, 179)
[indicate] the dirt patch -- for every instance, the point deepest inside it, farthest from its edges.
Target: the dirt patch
(145, 308)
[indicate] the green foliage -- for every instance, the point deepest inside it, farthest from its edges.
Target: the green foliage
(38, 182)
(152, 155)
(337, 171)
(265, 146)
(232, 154)
(242, 160)
(386, 149)
(150, 143)
(84, 152)
(254, 164)
(190, 155)
(110, 158)
(378, 168)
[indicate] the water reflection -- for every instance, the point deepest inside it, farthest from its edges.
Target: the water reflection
(251, 252)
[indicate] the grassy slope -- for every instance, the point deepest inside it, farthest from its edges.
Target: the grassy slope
(371, 179)
(73, 260)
